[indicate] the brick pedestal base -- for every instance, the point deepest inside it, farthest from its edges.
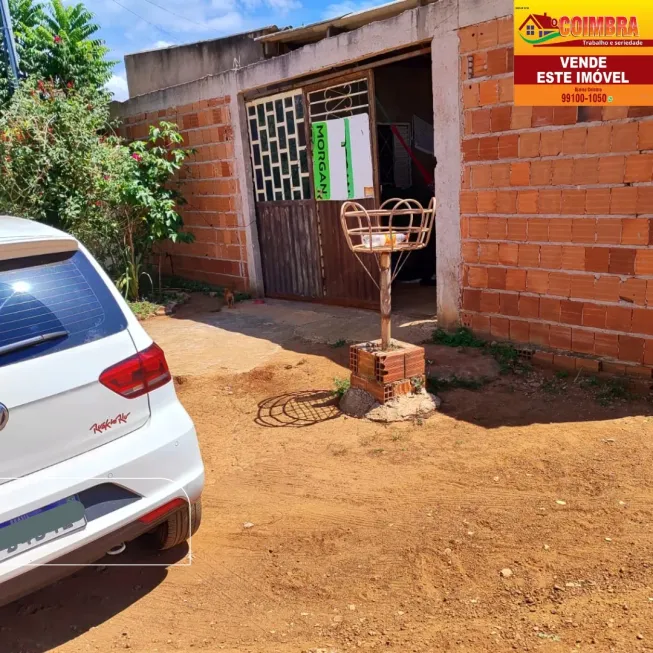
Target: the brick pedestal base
(387, 374)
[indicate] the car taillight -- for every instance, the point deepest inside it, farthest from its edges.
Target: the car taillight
(138, 374)
(171, 506)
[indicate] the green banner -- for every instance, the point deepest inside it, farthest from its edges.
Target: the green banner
(321, 176)
(348, 161)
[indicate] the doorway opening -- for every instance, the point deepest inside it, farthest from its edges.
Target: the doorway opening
(405, 163)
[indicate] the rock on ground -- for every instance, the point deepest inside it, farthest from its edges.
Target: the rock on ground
(358, 403)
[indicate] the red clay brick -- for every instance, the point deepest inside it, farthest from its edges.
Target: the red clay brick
(550, 309)
(644, 262)
(588, 364)
(614, 368)
(642, 321)
(560, 337)
(537, 281)
(551, 257)
(471, 300)
(507, 202)
(517, 229)
(488, 253)
(481, 176)
(582, 341)
(594, 315)
(521, 117)
(550, 143)
(519, 331)
(480, 121)
(631, 349)
(560, 230)
(529, 256)
(489, 92)
(648, 352)
(470, 149)
(500, 327)
(573, 258)
(506, 89)
(606, 344)
(618, 318)
(559, 284)
(582, 286)
(496, 278)
(500, 117)
(497, 61)
(478, 227)
(571, 312)
(486, 201)
(645, 135)
(539, 335)
(606, 289)
(527, 201)
(529, 307)
(586, 171)
(597, 201)
(541, 172)
(508, 254)
(612, 169)
(624, 200)
(477, 277)
(622, 261)
(470, 251)
(573, 202)
(520, 174)
(505, 30)
(635, 231)
(565, 115)
(624, 137)
(542, 116)
(481, 324)
(608, 231)
(574, 141)
(633, 290)
(538, 229)
(583, 230)
(597, 259)
(488, 148)
(468, 38)
(508, 146)
(500, 175)
(529, 145)
(598, 138)
(550, 201)
(645, 199)
(490, 302)
(497, 228)
(563, 171)
(509, 304)
(564, 362)
(515, 279)
(488, 34)
(639, 167)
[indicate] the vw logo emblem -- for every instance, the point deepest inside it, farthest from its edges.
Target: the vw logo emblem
(4, 416)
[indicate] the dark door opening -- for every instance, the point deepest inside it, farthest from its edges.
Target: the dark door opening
(405, 159)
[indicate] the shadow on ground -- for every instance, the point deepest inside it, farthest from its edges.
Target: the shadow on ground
(297, 409)
(75, 605)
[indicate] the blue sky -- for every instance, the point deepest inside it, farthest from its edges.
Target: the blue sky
(135, 25)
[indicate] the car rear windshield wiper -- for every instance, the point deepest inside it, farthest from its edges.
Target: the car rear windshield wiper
(30, 342)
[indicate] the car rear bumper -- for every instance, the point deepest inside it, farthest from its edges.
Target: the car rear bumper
(157, 463)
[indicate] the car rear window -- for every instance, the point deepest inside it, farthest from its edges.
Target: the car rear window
(42, 295)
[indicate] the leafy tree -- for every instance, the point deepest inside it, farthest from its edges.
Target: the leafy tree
(56, 43)
(62, 163)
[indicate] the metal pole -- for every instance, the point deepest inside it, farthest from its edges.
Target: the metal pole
(386, 301)
(8, 39)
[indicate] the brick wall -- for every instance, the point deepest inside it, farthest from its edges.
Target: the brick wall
(209, 183)
(556, 215)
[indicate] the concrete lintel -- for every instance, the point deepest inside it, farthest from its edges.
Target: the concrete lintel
(472, 12)
(447, 128)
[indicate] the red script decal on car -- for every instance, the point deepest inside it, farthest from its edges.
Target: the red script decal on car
(121, 418)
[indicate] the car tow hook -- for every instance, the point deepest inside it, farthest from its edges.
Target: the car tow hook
(117, 550)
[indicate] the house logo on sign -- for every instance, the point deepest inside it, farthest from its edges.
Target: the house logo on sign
(538, 28)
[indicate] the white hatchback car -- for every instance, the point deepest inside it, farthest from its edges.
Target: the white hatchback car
(95, 448)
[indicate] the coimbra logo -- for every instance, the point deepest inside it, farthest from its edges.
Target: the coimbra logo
(538, 28)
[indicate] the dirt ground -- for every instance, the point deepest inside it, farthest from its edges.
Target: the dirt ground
(366, 537)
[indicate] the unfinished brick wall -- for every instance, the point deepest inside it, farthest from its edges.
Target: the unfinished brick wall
(209, 183)
(556, 216)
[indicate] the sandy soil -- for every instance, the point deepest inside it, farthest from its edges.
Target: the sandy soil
(367, 537)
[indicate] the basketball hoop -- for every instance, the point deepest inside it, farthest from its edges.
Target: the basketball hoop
(379, 232)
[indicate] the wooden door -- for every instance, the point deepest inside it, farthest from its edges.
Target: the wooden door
(345, 281)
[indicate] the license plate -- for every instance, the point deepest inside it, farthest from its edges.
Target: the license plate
(40, 526)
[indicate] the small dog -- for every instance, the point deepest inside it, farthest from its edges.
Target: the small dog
(229, 298)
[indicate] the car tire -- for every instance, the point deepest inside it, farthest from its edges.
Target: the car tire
(178, 527)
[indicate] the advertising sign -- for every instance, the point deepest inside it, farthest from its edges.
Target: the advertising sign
(574, 52)
(342, 158)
